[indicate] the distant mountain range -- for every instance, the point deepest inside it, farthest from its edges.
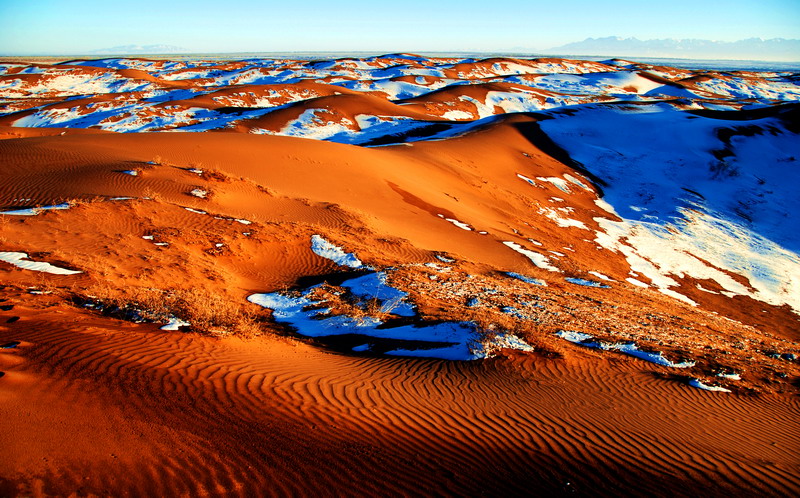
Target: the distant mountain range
(775, 49)
(140, 49)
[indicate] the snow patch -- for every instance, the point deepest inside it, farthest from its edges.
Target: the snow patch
(700, 385)
(459, 224)
(21, 260)
(327, 250)
(175, 323)
(529, 280)
(444, 340)
(628, 348)
(601, 276)
(35, 210)
(586, 283)
(537, 259)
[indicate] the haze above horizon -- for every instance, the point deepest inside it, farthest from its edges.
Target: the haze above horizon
(56, 27)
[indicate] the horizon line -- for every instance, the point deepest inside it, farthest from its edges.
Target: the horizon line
(344, 53)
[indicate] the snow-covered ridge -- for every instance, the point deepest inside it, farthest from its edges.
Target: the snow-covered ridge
(720, 203)
(131, 95)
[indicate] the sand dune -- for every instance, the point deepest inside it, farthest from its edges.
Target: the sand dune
(287, 418)
(612, 243)
(141, 95)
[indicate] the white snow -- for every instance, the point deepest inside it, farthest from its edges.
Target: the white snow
(459, 224)
(577, 182)
(21, 260)
(658, 358)
(312, 124)
(175, 324)
(676, 203)
(35, 210)
(327, 250)
(628, 348)
(574, 337)
(529, 86)
(537, 259)
(700, 385)
(375, 286)
(554, 214)
(637, 283)
(586, 283)
(523, 177)
(445, 340)
(526, 279)
(560, 183)
(457, 115)
(601, 276)
(678, 296)
(605, 206)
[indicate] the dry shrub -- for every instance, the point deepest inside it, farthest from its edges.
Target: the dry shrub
(78, 202)
(489, 323)
(207, 312)
(215, 175)
(361, 309)
(160, 161)
(211, 313)
(206, 194)
(151, 194)
(264, 190)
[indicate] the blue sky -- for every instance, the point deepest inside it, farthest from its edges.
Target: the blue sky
(73, 27)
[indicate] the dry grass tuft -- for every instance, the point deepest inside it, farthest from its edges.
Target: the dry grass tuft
(151, 194)
(215, 175)
(361, 309)
(489, 323)
(200, 193)
(207, 312)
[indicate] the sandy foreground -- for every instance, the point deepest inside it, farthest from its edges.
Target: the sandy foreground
(397, 275)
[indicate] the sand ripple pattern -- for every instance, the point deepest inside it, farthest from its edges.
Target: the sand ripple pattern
(285, 419)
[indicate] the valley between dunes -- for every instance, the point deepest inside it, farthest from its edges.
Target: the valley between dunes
(398, 276)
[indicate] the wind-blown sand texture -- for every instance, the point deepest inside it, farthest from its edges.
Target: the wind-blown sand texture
(398, 275)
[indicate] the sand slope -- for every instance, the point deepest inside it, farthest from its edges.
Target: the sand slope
(116, 408)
